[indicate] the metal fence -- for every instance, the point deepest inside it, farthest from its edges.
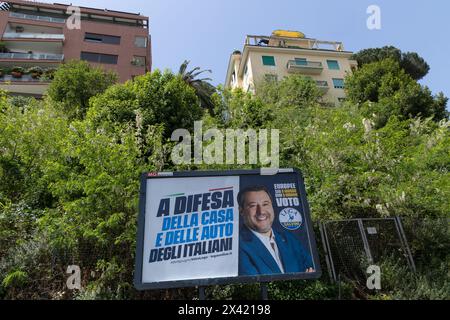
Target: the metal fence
(350, 246)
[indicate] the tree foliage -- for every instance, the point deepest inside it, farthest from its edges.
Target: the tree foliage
(295, 90)
(383, 88)
(75, 83)
(410, 62)
(203, 89)
(160, 98)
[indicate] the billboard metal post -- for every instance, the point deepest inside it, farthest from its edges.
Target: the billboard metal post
(264, 291)
(201, 293)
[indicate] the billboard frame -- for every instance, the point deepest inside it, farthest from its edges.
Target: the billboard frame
(139, 254)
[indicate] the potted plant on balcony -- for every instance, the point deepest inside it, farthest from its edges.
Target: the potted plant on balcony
(3, 48)
(36, 72)
(49, 74)
(17, 72)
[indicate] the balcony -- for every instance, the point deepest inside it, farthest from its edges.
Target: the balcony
(32, 56)
(304, 67)
(21, 35)
(36, 17)
(322, 85)
(26, 78)
(27, 83)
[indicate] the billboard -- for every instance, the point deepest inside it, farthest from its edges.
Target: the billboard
(203, 228)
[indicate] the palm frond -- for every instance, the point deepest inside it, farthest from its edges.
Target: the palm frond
(203, 89)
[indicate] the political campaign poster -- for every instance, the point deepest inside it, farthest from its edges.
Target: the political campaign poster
(214, 227)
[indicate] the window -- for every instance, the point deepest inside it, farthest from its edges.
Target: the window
(338, 83)
(99, 57)
(138, 61)
(140, 42)
(301, 61)
(108, 59)
(268, 60)
(333, 64)
(101, 38)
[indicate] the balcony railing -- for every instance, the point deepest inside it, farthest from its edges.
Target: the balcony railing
(24, 78)
(32, 56)
(293, 43)
(10, 35)
(323, 85)
(307, 67)
(35, 17)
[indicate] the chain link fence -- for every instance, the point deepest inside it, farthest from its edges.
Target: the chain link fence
(352, 245)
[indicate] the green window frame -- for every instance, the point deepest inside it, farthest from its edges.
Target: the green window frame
(268, 60)
(301, 61)
(333, 65)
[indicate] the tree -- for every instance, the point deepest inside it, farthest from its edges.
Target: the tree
(384, 88)
(203, 89)
(411, 62)
(294, 90)
(75, 83)
(160, 98)
(414, 65)
(238, 109)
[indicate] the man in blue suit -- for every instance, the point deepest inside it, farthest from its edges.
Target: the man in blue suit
(262, 250)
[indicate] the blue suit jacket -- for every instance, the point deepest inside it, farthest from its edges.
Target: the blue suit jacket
(255, 259)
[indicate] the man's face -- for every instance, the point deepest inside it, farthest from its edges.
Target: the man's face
(257, 211)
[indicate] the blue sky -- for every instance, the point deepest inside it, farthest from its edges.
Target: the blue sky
(207, 31)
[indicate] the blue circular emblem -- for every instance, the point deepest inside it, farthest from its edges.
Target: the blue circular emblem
(290, 218)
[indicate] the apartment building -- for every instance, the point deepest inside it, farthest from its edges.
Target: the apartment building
(289, 52)
(35, 38)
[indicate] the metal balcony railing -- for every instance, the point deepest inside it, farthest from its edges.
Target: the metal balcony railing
(10, 35)
(304, 67)
(305, 64)
(32, 56)
(321, 83)
(36, 17)
(24, 78)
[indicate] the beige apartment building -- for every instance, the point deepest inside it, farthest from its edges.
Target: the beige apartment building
(289, 52)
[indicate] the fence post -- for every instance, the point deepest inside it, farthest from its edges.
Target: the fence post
(403, 239)
(327, 251)
(339, 286)
(365, 241)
